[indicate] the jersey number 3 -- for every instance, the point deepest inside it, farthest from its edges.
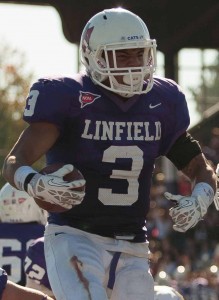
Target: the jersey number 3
(31, 102)
(110, 155)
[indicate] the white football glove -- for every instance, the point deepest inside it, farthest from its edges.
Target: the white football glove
(54, 189)
(187, 212)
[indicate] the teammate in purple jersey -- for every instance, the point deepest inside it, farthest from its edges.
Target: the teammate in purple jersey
(22, 221)
(35, 267)
(12, 291)
(111, 123)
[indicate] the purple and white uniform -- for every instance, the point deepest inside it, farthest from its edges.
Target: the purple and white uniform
(35, 264)
(3, 281)
(14, 241)
(114, 143)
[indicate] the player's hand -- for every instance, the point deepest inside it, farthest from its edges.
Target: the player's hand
(53, 188)
(186, 212)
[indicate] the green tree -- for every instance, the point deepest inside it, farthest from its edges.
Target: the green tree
(14, 85)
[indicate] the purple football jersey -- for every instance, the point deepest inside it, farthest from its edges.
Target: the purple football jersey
(113, 142)
(3, 281)
(14, 242)
(35, 264)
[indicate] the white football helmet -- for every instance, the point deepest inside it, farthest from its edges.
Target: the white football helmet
(165, 292)
(118, 29)
(18, 207)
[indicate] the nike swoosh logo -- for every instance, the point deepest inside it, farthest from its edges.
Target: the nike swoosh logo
(186, 203)
(153, 106)
(52, 182)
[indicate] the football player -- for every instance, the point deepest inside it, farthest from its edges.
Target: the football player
(12, 291)
(22, 221)
(111, 122)
(35, 267)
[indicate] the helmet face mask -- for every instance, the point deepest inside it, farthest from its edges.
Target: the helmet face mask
(104, 36)
(18, 207)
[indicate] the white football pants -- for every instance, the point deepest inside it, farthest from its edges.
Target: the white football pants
(84, 266)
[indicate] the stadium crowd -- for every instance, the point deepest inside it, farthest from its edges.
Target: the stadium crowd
(187, 261)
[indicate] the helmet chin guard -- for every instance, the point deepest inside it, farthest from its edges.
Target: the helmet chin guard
(112, 30)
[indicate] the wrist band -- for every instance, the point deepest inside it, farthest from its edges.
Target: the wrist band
(205, 190)
(27, 180)
(22, 177)
(205, 195)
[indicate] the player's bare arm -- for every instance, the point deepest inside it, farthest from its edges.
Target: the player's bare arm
(14, 291)
(189, 210)
(187, 156)
(199, 170)
(32, 144)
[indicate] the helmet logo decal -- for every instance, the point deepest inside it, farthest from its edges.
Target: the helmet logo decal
(21, 200)
(135, 37)
(87, 98)
(87, 36)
